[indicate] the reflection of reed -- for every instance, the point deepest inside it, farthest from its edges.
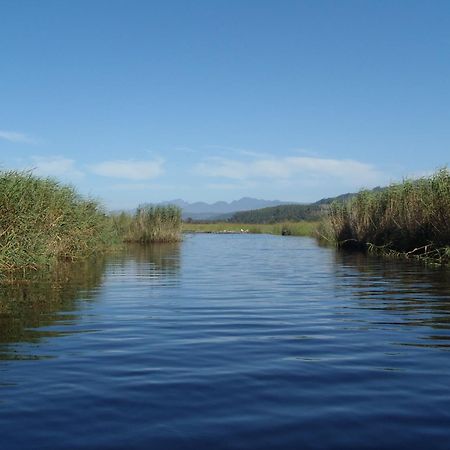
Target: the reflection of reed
(39, 301)
(421, 293)
(155, 261)
(42, 300)
(404, 273)
(165, 256)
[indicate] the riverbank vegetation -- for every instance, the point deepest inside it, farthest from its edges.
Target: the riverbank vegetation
(303, 228)
(43, 221)
(150, 224)
(282, 213)
(411, 218)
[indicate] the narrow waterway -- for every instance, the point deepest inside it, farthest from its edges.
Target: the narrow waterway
(228, 342)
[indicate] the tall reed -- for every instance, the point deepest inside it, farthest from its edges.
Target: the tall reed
(412, 217)
(153, 224)
(42, 221)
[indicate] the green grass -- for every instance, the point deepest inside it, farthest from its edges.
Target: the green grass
(280, 214)
(287, 228)
(150, 224)
(42, 221)
(410, 218)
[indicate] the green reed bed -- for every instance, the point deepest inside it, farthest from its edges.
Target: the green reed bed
(303, 228)
(152, 224)
(42, 221)
(410, 219)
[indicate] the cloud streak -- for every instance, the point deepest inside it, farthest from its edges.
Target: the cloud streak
(15, 137)
(129, 169)
(288, 168)
(55, 166)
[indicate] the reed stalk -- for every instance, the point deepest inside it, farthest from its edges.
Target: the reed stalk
(411, 218)
(42, 221)
(152, 224)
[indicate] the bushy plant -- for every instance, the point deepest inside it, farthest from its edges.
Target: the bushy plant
(42, 221)
(154, 224)
(409, 217)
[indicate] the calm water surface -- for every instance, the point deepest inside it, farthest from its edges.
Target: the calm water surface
(228, 342)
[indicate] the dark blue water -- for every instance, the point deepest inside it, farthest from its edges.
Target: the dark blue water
(228, 342)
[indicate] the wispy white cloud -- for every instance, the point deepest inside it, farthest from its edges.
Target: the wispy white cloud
(14, 136)
(143, 187)
(306, 152)
(54, 166)
(129, 169)
(290, 167)
(224, 186)
(228, 150)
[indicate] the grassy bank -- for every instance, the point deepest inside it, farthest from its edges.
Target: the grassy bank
(150, 224)
(410, 219)
(287, 228)
(43, 221)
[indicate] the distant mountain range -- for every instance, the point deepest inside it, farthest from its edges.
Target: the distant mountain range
(291, 212)
(253, 210)
(222, 210)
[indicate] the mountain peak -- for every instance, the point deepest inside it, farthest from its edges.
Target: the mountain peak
(203, 210)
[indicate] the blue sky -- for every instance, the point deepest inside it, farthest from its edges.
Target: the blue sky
(140, 101)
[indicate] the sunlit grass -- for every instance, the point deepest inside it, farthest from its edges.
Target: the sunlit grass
(411, 218)
(150, 224)
(42, 221)
(287, 228)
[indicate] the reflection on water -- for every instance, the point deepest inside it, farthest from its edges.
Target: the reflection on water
(228, 342)
(31, 308)
(160, 262)
(409, 293)
(28, 306)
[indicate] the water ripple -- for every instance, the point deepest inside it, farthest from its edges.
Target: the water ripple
(229, 342)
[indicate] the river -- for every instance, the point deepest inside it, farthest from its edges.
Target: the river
(228, 342)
